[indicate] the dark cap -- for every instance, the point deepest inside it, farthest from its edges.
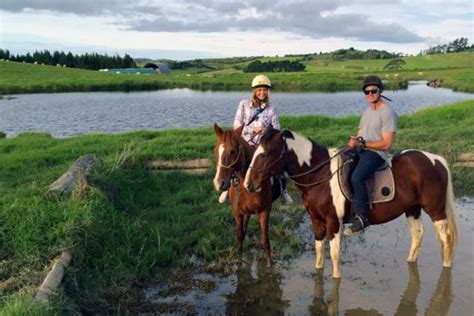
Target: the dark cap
(372, 81)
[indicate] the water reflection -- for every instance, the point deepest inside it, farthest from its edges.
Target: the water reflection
(440, 301)
(319, 305)
(256, 295)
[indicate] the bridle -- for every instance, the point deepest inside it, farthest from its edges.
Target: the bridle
(231, 166)
(234, 179)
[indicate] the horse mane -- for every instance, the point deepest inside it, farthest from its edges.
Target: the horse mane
(287, 134)
(268, 135)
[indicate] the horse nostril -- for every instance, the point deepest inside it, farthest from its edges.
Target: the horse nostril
(224, 185)
(249, 187)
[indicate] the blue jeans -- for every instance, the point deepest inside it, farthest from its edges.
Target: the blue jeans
(369, 162)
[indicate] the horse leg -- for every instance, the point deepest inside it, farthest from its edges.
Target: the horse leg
(446, 250)
(319, 233)
(334, 228)
(240, 230)
(263, 219)
(445, 234)
(416, 230)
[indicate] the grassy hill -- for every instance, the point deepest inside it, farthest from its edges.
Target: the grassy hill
(134, 222)
(456, 70)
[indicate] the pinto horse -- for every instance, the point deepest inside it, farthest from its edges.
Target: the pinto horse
(422, 180)
(233, 155)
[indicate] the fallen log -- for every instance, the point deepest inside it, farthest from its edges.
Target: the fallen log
(465, 160)
(466, 157)
(180, 164)
(54, 277)
(75, 176)
(469, 164)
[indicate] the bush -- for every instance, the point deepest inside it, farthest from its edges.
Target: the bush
(274, 66)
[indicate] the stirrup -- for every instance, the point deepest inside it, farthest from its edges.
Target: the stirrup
(358, 226)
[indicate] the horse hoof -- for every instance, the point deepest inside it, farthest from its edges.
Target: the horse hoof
(336, 275)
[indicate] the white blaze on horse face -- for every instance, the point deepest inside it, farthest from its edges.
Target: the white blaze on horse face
(338, 199)
(260, 150)
(302, 147)
(218, 171)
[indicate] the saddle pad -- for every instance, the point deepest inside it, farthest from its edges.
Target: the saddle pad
(381, 186)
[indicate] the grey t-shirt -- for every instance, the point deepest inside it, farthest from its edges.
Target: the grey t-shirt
(375, 122)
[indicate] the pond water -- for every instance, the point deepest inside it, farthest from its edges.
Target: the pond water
(376, 279)
(67, 114)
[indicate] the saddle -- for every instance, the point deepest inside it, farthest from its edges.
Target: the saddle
(381, 186)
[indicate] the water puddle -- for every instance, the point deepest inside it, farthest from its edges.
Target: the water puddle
(376, 278)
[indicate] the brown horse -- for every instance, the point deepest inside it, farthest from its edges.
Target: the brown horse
(233, 155)
(422, 180)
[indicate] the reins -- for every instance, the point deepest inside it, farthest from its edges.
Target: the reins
(316, 168)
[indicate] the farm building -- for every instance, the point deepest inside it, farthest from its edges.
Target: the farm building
(150, 69)
(159, 68)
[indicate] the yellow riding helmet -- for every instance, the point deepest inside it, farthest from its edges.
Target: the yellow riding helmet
(261, 81)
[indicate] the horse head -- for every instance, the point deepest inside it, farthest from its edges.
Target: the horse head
(267, 160)
(230, 155)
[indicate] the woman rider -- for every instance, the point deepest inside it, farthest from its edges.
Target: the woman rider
(257, 114)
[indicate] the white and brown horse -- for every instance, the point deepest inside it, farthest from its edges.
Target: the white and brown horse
(233, 155)
(423, 181)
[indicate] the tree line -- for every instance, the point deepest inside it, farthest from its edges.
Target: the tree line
(93, 61)
(349, 53)
(458, 45)
(274, 66)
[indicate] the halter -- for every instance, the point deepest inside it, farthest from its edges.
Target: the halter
(260, 170)
(231, 166)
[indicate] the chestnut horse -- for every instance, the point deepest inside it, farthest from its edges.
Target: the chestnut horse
(233, 155)
(422, 180)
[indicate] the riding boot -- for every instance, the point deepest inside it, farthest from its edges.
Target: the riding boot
(359, 223)
(223, 197)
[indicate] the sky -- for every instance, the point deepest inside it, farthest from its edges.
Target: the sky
(188, 29)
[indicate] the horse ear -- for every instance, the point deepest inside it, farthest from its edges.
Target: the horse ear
(287, 134)
(238, 130)
(218, 130)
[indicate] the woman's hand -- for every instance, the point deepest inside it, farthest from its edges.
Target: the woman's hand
(257, 129)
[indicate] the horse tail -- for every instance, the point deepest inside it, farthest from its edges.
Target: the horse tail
(452, 229)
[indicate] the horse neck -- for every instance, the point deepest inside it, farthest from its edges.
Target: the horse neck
(319, 155)
(246, 156)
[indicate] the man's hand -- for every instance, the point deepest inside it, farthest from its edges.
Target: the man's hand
(353, 142)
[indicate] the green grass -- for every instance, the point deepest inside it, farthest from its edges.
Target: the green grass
(133, 222)
(456, 70)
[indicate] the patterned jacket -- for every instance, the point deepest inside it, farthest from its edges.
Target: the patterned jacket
(245, 112)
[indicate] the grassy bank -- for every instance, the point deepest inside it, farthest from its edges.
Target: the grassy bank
(456, 70)
(132, 222)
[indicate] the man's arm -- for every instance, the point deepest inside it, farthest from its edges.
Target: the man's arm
(384, 144)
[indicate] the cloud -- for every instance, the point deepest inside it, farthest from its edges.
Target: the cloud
(313, 19)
